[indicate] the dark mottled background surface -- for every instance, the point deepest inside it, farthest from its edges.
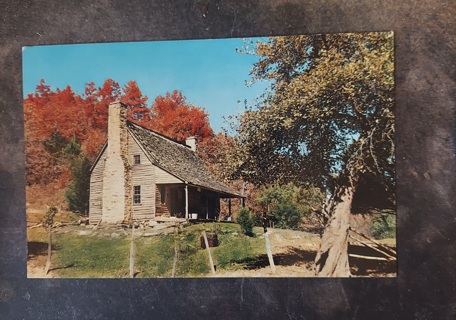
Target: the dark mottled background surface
(425, 288)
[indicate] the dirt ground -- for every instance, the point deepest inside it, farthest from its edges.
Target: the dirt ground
(35, 267)
(293, 251)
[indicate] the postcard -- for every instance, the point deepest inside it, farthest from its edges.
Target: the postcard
(254, 157)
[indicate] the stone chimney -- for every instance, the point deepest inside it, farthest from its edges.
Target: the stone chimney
(192, 142)
(116, 174)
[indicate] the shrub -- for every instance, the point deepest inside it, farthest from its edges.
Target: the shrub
(286, 215)
(245, 221)
(257, 219)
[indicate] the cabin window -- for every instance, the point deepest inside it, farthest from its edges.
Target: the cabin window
(137, 195)
(137, 158)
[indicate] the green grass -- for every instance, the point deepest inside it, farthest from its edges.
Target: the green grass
(155, 257)
(88, 256)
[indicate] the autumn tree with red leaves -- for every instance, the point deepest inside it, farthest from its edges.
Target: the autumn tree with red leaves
(138, 112)
(52, 120)
(63, 129)
(97, 102)
(175, 118)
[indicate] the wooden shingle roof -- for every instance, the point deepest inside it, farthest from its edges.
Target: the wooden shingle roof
(178, 159)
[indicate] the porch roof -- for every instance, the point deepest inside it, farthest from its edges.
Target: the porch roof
(179, 160)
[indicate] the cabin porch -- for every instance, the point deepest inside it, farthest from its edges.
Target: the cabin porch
(186, 201)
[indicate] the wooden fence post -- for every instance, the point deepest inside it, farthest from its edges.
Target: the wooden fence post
(268, 244)
(48, 262)
(211, 263)
(176, 254)
(132, 254)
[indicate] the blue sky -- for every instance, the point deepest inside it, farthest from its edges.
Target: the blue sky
(208, 72)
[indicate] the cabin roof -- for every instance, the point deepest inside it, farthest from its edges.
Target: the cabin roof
(178, 159)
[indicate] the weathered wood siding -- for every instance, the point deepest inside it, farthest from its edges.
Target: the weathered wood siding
(96, 190)
(162, 176)
(147, 176)
(143, 175)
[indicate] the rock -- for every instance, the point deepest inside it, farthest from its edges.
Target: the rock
(115, 235)
(163, 226)
(84, 233)
(84, 221)
(151, 234)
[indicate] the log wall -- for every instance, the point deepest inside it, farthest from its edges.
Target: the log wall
(143, 175)
(164, 177)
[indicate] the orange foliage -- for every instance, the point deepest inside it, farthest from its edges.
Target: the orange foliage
(61, 111)
(97, 102)
(138, 112)
(54, 118)
(48, 114)
(173, 117)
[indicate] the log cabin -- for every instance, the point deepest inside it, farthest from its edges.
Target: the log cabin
(143, 175)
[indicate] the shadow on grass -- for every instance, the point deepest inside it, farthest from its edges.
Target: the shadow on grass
(292, 257)
(36, 248)
(59, 268)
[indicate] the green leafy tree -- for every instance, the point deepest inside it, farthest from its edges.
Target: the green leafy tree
(287, 215)
(383, 225)
(77, 193)
(287, 205)
(326, 120)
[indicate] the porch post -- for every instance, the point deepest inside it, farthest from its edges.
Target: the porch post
(217, 212)
(229, 207)
(186, 201)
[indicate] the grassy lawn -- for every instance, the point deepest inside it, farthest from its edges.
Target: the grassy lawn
(89, 256)
(155, 256)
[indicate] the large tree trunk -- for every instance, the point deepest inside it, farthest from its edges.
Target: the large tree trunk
(332, 257)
